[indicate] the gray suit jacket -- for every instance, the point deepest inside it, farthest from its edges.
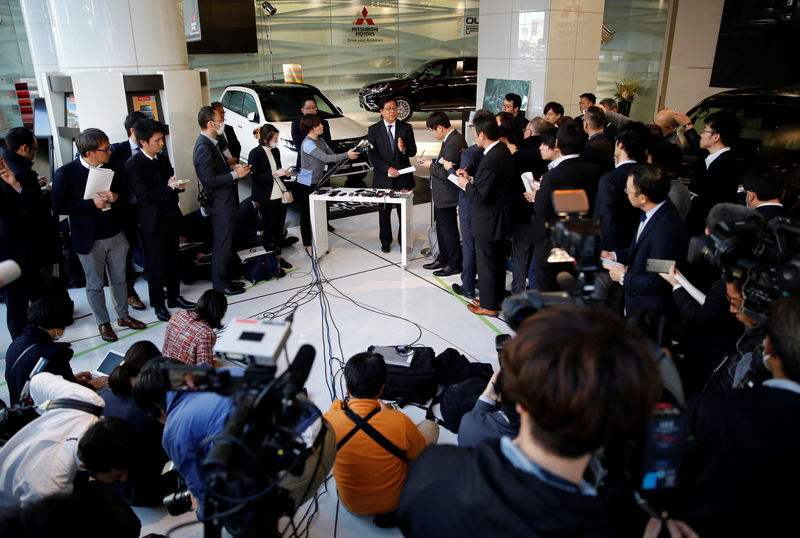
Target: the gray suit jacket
(215, 175)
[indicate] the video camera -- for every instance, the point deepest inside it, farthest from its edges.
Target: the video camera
(274, 449)
(578, 239)
(764, 257)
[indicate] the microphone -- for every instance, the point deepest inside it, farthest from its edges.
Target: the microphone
(567, 282)
(295, 377)
(9, 272)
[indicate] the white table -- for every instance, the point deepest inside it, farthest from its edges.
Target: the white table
(319, 216)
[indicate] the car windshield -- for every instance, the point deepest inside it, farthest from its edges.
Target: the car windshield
(284, 104)
(417, 71)
(769, 132)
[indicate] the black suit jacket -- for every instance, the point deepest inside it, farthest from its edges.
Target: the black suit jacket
(663, 238)
(770, 212)
(573, 173)
(69, 183)
(120, 153)
(618, 217)
(719, 183)
(230, 142)
(20, 212)
(599, 151)
(215, 175)
(262, 173)
(526, 159)
(490, 192)
(518, 126)
(149, 178)
(445, 194)
(384, 157)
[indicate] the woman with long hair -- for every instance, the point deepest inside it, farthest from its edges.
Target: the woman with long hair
(190, 334)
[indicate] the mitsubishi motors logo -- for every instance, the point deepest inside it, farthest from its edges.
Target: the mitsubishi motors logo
(364, 30)
(361, 20)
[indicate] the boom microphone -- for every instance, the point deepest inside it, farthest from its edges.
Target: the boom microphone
(295, 377)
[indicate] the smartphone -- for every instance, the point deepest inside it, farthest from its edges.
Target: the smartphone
(181, 182)
(659, 266)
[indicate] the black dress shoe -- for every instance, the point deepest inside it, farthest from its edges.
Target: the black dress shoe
(435, 264)
(162, 313)
(461, 291)
(386, 248)
(233, 291)
(331, 228)
(283, 263)
(448, 271)
(288, 241)
(236, 284)
(180, 302)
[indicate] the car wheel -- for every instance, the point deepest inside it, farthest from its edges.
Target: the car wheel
(404, 110)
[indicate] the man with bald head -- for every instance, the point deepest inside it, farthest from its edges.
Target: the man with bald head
(669, 127)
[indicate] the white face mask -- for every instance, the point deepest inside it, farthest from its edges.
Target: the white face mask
(765, 357)
(58, 336)
(221, 129)
(273, 145)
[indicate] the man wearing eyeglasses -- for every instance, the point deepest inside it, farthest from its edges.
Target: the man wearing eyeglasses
(393, 144)
(96, 226)
(719, 176)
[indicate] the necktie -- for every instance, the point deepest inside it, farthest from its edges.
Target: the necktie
(391, 137)
(642, 220)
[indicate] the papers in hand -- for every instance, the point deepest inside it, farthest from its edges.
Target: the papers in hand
(406, 170)
(454, 179)
(99, 180)
(608, 264)
(527, 180)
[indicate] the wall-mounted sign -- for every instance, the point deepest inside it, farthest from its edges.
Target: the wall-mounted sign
(191, 21)
(470, 25)
(71, 112)
(364, 29)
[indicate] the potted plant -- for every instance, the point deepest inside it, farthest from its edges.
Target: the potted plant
(627, 90)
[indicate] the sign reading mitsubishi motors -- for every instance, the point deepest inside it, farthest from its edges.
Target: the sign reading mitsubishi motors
(364, 29)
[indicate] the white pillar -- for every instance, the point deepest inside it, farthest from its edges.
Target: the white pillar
(562, 67)
(132, 36)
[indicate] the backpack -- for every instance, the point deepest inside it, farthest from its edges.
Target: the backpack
(261, 268)
(463, 382)
(415, 384)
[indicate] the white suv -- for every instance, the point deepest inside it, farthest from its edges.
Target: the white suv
(248, 106)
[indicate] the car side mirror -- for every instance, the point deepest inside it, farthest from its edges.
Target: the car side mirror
(253, 116)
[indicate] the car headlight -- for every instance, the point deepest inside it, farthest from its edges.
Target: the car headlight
(377, 89)
(288, 143)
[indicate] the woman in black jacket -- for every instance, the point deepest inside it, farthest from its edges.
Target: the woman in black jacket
(268, 188)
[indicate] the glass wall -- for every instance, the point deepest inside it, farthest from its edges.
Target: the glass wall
(635, 52)
(343, 45)
(15, 62)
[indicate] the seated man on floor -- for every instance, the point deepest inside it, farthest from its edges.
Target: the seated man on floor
(375, 442)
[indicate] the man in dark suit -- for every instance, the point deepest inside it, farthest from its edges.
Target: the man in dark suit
(120, 153)
(228, 142)
(96, 226)
(598, 149)
(393, 145)
(25, 230)
(717, 181)
(151, 176)
(309, 106)
(219, 180)
(490, 191)
(511, 104)
(660, 235)
(617, 216)
(445, 194)
(528, 158)
(585, 101)
(764, 189)
(566, 171)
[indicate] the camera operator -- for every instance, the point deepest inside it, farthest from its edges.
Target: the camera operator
(47, 455)
(743, 443)
(188, 418)
(711, 329)
(580, 377)
(492, 417)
